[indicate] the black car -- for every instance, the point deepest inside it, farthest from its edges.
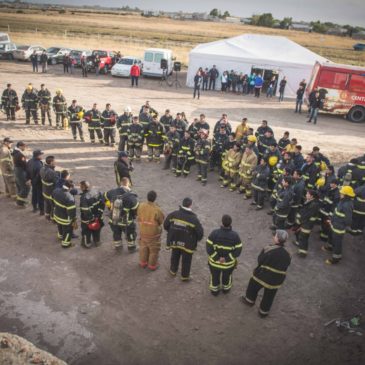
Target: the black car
(56, 54)
(76, 55)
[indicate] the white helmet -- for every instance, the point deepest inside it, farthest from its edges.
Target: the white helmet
(127, 109)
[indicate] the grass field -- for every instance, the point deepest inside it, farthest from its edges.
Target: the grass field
(131, 34)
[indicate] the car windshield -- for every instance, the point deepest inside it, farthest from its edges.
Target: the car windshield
(100, 53)
(126, 61)
(53, 50)
(75, 53)
(23, 48)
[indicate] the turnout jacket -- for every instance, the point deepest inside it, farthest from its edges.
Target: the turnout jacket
(109, 118)
(155, 134)
(261, 175)
(172, 142)
(19, 159)
(231, 161)
(9, 98)
(122, 169)
(44, 97)
(329, 199)
(73, 113)
(93, 119)
(33, 171)
(186, 148)
(145, 119)
(166, 120)
(49, 178)
(247, 165)
(150, 219)
(310, 174)
(59, 104)
(135, 135)
(273, 262)
(307, 216)
(184, 230)
(202, 151)
(342, 216)
(180, 125)
(64, 207)
(6, 161)
(226, 243)
(123, 123)
(91, 206)
(284, 198)
(219, 142)
(298, 192)
(359, 202)
(227, 126)
(30, 100)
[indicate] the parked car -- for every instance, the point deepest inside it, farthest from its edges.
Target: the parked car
(359, 47)
(6, 50)
(23, 53)
(106, 60)
(56, 54)
(123, 67)
(76, 54)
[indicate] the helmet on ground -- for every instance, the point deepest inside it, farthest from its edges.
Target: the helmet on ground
(320, 182)
(252, 138)
(348, 191)
(80, 114)
(273, 160)
(127, 109)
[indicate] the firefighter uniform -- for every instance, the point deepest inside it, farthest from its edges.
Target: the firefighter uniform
(93, 119)
(269, 274)
(7, 170)
(259, 183)
(245, 169)
(184, 230)
(49, 178)
(123, 124)
(218, 148)
(60, 109)
(202, 153)
(180, 126)
(264, 143)
(310, 175)
(145, 119)
(64, 214)
(166, 120)
(282, 207)
(135, 136)
(125, 221)
(122, 169)
(91, 210)
(108, 119)
(172, 144)
(9, 101)
(222, 243)
(230, 166)
(21, 178)
(306, 219)
(34, 166)
(298, 192)
(194, 130)
(185, 156)
(45, 101)
(30, 105)
(150, 220)
(358, 213)
(155, 135)
(75, 114)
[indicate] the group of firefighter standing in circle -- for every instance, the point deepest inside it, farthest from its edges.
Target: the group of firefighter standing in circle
(301, 191)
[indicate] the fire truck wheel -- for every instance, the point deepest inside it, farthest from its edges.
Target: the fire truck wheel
(357, 114)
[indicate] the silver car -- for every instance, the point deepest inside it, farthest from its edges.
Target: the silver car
(23, 53)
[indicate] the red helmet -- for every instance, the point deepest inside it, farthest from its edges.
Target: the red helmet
(95, 225)
(113, 118)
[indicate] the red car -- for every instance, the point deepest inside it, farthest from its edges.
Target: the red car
(107, 59)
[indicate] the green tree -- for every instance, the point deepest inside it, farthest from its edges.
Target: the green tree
(226, 14)
(214, 12)
(319, 27)
(266, 20)
(286, 23)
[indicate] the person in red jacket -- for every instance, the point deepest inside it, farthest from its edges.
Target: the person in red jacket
(135, 73)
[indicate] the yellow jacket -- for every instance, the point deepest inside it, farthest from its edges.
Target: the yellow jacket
(150, 219)
(241, 130)
(248, 163)
(231, 161)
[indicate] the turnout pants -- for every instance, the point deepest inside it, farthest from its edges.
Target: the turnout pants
(171, 158)
(21, 186)
(109, 136)
(48, 207)
(183, 166)
(37, 197)
(30, 112)
(10, 112)
(10, 186)
(202, 171)
(335, 243)
(245, 187)
(77, 126)
(358, 223)
(65, 234)
(267, 299)
(259, 197)
(279, 220)
(98, 132)
(87, 234)
(154, 153)
(46, 112)
(303, 240)
(122, 143)
(130, 233)
(135, 150)
(220, 279)
(149, 249)
(186, 259)
(59, 119)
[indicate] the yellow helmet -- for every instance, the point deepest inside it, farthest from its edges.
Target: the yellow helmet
(252, 138)
(273, 160)
(320, 182)
(323, 166)
(80, 114)
(29, 87)
(108, 204)
(347, 190)
(58, 91)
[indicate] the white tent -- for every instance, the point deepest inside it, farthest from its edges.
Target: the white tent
(242, 53)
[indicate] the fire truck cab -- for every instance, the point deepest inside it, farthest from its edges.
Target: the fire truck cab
(342, 88)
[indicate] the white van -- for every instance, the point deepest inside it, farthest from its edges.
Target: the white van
(4, 38)
(152, 61)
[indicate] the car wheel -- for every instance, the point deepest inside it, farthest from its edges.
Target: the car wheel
(356, 114)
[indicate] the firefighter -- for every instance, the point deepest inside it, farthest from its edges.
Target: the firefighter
(123, 124)
(272, 155)
(265, 141)
(184, 230)
(185, 155)
(310, 172)
(171, 148)
(123, 167)
(151, 110)
(202, 154)
(30, 104)
(150, 220)
(230, 166)
(277, 188)
(76, 114)
(108, 119)
(34, 166)
(298, 192)
(91, 210)
(282, 207)
(346, 173)
(223, 247)
(64, 213)
(270, 273)
(166, 120)
(305, 221)
(222, 123)
(341, 218)
(241, 130)
(284, 141)
(263, 129)
(20, 171)
(155, 135)
(60, 109)
(320, 160)
(219, 142)
(179, 124)
(7, 168)
(135, 136)
(123, 204)
(202, 124)
(245, 169)
(250, 141)
(10, 102)
(49, 178)
(93, 119)
(145, 118)
(359, 173)
(194, 129)
(358, 213)
(259, 183)
(45, 101)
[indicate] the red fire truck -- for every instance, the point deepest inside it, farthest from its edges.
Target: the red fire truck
(342, 88)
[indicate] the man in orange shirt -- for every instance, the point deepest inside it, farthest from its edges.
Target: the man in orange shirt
(135, 73)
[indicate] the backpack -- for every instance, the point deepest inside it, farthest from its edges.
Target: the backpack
(117, 209)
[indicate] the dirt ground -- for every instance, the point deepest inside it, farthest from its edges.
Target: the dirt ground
(97, 307)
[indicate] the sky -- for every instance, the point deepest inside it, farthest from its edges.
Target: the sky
(337, 11)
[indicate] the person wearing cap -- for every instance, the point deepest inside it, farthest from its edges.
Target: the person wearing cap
(7, 168)
(340, 220)
(45, 101)
(155, 136)
(9, 102)
(20, 172)
(166, 120)
(127, 212)
(122, 167)
(202, 155)
(245, 169)
(241, 129)
(123, 123)
(261, 174)
(305, 221)
(184, 230)
(93, 119)
(134, 136)
(75, 114)
(60, 108)
(270, 273)
(108, 120)
(185, 155)
(358, 213)
(230, 165)
(34, 166)
(64, 213)
(30, 104)
(223, 247)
